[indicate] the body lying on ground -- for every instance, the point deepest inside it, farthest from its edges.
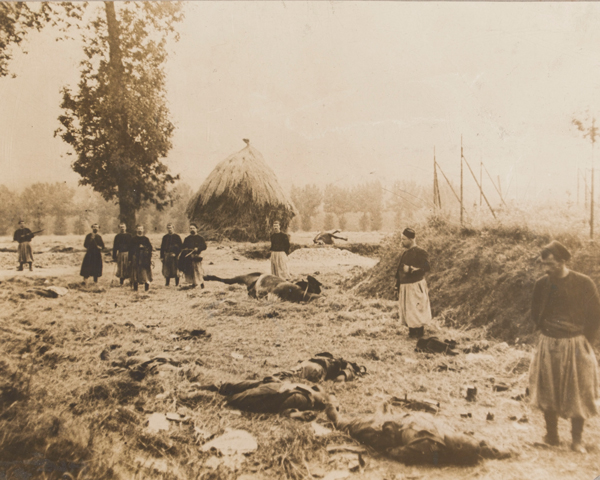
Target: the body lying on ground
(274, 396)
(324, 366)
(262, 285)
(414, 438)
(326, 238)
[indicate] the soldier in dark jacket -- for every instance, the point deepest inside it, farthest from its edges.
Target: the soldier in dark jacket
(413, 295)
(23, 235)
(121, 245)
(141, 259)
(169, 250)
(190, 261)
(280, 249)
(92, 261)
(563, 375)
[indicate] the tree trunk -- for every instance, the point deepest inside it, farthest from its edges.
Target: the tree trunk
(127, 215)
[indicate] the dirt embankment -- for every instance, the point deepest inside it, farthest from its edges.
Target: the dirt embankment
(480, 277)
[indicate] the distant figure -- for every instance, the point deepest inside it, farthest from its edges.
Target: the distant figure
(190, 261)
(141, 259)
(413, 295)
(563, 376)
(326, 238)
(121, 246)
(23, 235)
(92, 261)
(169, 250)
(280, 249)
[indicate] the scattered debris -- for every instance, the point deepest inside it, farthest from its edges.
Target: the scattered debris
(425, 405)
(500, 387)
(158, 422)
(521, 396)
(466, 415)
(471, 393)
(319, 430)
(523, 419)
(237, 356)
(232, 442)
(175, 417)
(345, 448)
(49, 292)
(434, 345)
(490, 417)
(191, 334)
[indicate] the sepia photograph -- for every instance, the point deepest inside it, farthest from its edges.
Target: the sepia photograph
(299, 240)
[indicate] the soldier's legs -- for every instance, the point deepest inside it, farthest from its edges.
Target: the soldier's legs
(146, 287)
(31, 266)
(167, 281)
(177, 281)
(551, 437)
(577, 434)
(20, 269)
(135, 286)
(95, 279)
(121, 280)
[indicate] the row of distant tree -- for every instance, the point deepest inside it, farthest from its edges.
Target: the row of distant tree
(369, 200)
(60, 209)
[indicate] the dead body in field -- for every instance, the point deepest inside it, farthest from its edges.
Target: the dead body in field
(324, 366)
(261, 285)
(326, 238)
(414, 438)
(272, 395)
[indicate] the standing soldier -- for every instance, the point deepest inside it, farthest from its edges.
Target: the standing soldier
(120, 254)
(141, 259)
(413, 296)
(190, 261)
(92, 261)
(23, 235)
(169, 249)
(563, 376)
(280, 249)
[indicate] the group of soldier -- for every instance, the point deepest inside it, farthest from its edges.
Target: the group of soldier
(132, 255)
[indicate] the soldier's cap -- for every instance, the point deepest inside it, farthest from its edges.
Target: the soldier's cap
(409, 233)
(558, 251)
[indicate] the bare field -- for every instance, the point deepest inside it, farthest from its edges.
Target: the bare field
(74, 390)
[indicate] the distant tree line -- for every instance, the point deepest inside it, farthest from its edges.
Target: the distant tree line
(59, 209)
(369, 200)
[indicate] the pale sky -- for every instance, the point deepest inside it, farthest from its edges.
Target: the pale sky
(348, 92)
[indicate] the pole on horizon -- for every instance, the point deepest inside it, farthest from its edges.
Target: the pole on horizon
(481, 182)
(577, 186)
(461, 182)
(592, 192)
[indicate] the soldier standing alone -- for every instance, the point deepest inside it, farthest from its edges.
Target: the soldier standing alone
(23, 235)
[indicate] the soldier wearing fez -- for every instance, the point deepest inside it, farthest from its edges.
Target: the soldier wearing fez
(121, 245)
(92, 261)
(169, 250)
(141, 259)
(23, 235)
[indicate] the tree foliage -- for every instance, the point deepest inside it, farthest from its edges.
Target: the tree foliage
(17, 19)
(337, 200)
(307, 200)
(117, 121)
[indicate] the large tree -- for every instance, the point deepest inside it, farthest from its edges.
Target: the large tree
(118, 121)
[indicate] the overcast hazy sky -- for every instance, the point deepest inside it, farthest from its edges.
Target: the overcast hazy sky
(347, 92)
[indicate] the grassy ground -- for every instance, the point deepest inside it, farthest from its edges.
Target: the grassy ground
(81, 375)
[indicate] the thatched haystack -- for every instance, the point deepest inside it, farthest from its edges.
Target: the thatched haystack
(241, 199)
